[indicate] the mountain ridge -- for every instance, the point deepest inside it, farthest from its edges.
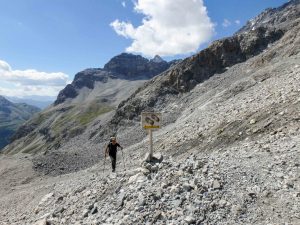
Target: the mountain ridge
(274, 17)
(93, 93)
(221, 54)
(183, 76)
(12, 115)
(124, 66)
(227, 151)
(41, 102)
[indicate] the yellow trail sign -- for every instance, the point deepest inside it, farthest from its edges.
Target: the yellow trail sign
(151, 120)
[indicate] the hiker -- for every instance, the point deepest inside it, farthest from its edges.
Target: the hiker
(111, 149)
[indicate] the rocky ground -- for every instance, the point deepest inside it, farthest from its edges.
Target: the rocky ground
(249, 183)
(232, 157)
(230, 150)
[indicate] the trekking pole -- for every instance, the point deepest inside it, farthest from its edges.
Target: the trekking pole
(123, 159)
(104, 163)
(104, 160)
(130, 158)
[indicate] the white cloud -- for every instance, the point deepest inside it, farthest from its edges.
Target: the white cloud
(4, 66)
(237, 22)
(124, 4)
(23, 91)
(226, 23)
(169, 27)
(30, 82)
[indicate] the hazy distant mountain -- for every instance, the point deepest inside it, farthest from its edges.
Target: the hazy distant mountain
(38, 101)
(12, 115)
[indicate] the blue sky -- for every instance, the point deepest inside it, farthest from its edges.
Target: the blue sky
(47, 41)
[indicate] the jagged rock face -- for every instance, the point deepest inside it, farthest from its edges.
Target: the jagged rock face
(68, 92)
(86, 78)
(127, 64)
(275, 17)
(124, 66)
(216, 59)
(184, 76)
(219, 55)
(133, 66)
(157, 59)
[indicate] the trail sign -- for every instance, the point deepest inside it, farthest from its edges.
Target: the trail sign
(151, 120)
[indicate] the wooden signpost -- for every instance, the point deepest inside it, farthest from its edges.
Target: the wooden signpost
(151, 121)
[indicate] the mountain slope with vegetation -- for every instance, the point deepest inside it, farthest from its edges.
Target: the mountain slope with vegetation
(12, 116)
(229, 144)
(91, 97)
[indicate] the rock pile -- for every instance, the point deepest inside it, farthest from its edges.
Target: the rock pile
(245, 185)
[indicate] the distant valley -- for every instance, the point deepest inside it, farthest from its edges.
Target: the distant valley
(13, 115)
(38, 101)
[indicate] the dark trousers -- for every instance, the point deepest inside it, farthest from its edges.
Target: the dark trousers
(113, 159)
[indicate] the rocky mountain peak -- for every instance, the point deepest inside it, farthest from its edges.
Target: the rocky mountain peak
(157, 59)
(4, 101)
(277, 18)
(85, 78)
(124, 66)
(268, 28)
(130, 66)
(127, 64)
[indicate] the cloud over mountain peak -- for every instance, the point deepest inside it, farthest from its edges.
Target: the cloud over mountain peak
(170, 27)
